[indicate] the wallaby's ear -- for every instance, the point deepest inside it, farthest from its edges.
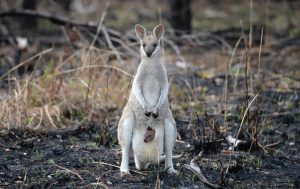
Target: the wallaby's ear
(158, 31)
(140, 31)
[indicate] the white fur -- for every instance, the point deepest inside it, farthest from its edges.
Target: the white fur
(142, 51)
(149, 93)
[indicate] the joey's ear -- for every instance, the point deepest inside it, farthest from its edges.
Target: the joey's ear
(140, 31)
(158, 31)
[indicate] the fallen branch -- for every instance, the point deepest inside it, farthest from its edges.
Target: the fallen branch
(59, 20)
(53, 18)
(196, 170)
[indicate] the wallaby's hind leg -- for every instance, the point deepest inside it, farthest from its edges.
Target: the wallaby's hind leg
(125, 130)
(140, 165)
(169, 142)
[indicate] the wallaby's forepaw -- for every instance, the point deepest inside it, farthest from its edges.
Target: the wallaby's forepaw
(147, 111)
(155, 113)
(147, 114)
(171, 170)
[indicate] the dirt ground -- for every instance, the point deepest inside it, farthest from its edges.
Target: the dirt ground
(62, 141)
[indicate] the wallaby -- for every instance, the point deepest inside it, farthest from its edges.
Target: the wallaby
(147, 126)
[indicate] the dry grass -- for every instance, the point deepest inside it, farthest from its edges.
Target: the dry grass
(58, 97)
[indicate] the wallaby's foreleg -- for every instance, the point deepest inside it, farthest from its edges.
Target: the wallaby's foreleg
(162, 98)
(169, 142)
(125, 136)
(137, 91)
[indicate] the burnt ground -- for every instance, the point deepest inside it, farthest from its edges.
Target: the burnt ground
(74, 158)
(31, 160)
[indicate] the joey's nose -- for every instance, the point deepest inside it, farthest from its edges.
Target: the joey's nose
(148, 54)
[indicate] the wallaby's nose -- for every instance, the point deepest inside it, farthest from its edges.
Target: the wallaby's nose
(148, 54)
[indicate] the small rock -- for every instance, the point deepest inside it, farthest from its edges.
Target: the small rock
(180, 64)
(292, 143)
(18, 181)
(230, 180)
(108, 182)
(218, 81)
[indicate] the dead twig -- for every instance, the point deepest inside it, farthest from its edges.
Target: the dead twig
(115, 166)
(225, 90)
(26, 61)
(274, 114)
(110, 44)
(95, 185)
(97, 66)
(245, 114)
(196, 170)
(24, 180)
(157, 182)
(274, 144)
(74, 172)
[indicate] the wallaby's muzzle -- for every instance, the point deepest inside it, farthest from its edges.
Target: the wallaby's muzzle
(149, 54)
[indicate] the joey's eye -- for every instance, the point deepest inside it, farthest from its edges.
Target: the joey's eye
(154, 45)
(144, 45)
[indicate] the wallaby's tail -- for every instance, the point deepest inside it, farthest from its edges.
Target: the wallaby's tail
(163, 157)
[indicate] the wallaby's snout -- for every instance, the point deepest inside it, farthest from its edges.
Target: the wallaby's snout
(148, 49)
(149, 42)
(149, 46)
(148, 54)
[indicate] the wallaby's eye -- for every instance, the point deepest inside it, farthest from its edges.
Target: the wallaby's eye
(144, 45)
(154, 45)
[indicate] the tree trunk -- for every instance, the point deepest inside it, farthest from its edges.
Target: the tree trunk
(29, 22)
(180, 16)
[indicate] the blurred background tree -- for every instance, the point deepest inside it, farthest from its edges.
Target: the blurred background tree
(181, 16)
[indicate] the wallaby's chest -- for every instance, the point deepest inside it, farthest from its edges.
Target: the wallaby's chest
(151, 90)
